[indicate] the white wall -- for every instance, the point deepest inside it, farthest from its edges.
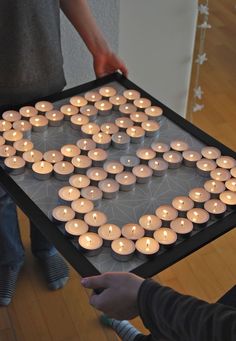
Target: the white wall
(156, 40)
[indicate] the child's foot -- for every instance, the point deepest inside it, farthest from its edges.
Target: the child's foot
(8, 278)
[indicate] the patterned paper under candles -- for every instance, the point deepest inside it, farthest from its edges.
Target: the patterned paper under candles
(199, 195)
(214, 187)
(15, 165)
(55, 118)
(145, 154)
(136, 134)
(107, 91)
(129, 161)
(109, 187)
(132, 231)
(104, 107)
(131, 95)
(32, 156)
(53, 156)
(102, 140)
(127, 109)
(69, 110)
(43, 106)
(93, 96)
(2, 141)
(82, 206)
(158, 166)
(210, 153)
(143, 173)
(96, 174)
(165, 236)
(113, 167)
(79, 181)
(123, 123)
(6, 151)
(78, 101)
(151, 128)
(22, 146)
(154, 112)
(228, 198)
(117, 100)
(11, 116)
(142, 103)
(28, 111)
(166, 213)
(42, 170)
(39, 123)
(220, 174)
(146, 247)
(69, 151)
(126, 181)
(138, 117)
(160, 148)
(24, 126)
(109, 232)
(62, 214)
(77, 121)
(63, 170)
(182, 204)
(76, 227)
(95, 219)
(231, 184)
(67, 194)
(123, 249)
(150, 223)
(215, 208)
(120, 140)
(182, 226)
(81, 163)
(198, 216)
(12, 136)
(90, 243)
(226, 162)
(109, 128)
(90, 112)
(5, 125)
(173, 158)
(190, 158)
(92, 193)
(205, 166)
(179, 146)
(98, 156)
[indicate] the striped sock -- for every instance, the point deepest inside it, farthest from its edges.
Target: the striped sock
(8, 278)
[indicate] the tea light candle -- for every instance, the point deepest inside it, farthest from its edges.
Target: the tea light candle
(120, 140)
(143, 173)
(94, 219)
(113, 167)
(79, 181)
(85, 145)
(92, 96)
(138, 117)
(69, 110)
(109, 232)
(90, 112)
(145, 154)
(123, 123)
(90, 129)
(179, 145)
(228, 198)
(98, 156)
(131, 95)
(214, 187)
(181, 226)
(182, 204)
(81, 163)
(122, 249)
(136, 134)
(165, 236)
(76, 227)
(96, 174)
(23, 126)
(78, 101)
(127, 108)
(104, 107)
(198, 216)
(190, 158)
(158, 166)
(28, 111)
(15, 165)
(77, 121)
(231, 184)
(39, 123)
(5, 125)
(116, 101)
(199, 196)
(154, 112)
(82, 206)
(146, 247)
(6, 151)
(109, 187)
(220, 174)
(69, 151)
(12, 136)
(160, 148)
(150, 223)
(166, 213)
(142, 103)
(109, 128)
(215, 207)
(173, 158)
(43, 106)
(90, 243)
(22, 146)
(62, 214)
(210, 153)
(53, 156)
(11, 116)
(32, 156)
(42, 170)
(151, 128)
(232, 172)
(92, 193)
(226, 162)
(126, 181)
(55, 118)
(63, 170)
(132, 231)
(205, 166)
(107, 91)
(67, 194)
(2, 141)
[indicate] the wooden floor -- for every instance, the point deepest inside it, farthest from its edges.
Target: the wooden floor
(39, 315)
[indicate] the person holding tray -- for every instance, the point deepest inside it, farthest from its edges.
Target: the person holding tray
(31, 66)
(167, 314)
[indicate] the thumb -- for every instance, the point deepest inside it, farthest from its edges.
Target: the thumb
(95, 282)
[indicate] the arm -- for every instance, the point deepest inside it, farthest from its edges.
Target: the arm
(79, 14)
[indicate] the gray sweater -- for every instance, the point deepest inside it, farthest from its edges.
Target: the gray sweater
(31, 63)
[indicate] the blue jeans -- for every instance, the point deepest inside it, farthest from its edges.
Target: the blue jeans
(11, 247)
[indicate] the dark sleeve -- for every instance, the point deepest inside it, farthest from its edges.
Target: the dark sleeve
(184, 318)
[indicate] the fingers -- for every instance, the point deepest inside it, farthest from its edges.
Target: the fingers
(95, 282)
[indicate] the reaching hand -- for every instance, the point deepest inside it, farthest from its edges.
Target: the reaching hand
(107, 63)
(119, 297)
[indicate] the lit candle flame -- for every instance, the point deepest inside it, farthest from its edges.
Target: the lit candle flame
(110, 229)
(165, 234)
(133, 229)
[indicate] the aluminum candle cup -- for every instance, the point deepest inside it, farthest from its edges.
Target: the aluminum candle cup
(117, 100)
(226, 162)
(92, 96)
(131, 95)
(90, 243)
(122, 249)
(123, 123)
(96, 174)
(228, 198)
(102, 140)
(214, 187)
(39, 123)
(142, 103)
(190, 158)
(151, 128)
(205, 166)
(132, 231)
(28, 111)
(78, 101)
(104, 107)
(210, 153)
(85, 145)
(98, 156)
(24, 127)
(42, 170)
(92, 193)
(154, 113)
(173, 158)
(199, 195)
(220, 174)
(90, 129)
(95, 219)
(69, 110)
(182, 226)
(160, 148)
(90, 112)
(62, 214)
(143, 173)
(158, 166)
(79, 181)
(129, 161)
(198, 216)
(109, 128)
(113, 167)
(182, 204)
(77, 121)
(5, 125)
(231, 184)
(67, 194)
(146, 247)
(69, 151)
(55, 118)
(166, 213)
(22, 146)
(6, 151)
(15, 165)
(109, 232)
(150, 223)
(76, 227)
(63, 170)
(53, 156)
(136, 134)
(215, 208)
(165, 236)
(126, 180)
(138, 117)
(81, 163)
(12, 136)
(127, 109)
(109, 187)
(82, 206)
(120, 140)
(107, 91)
(179, 145)
(43, 107)
(32, 156)
(11, 116)
(145, 154)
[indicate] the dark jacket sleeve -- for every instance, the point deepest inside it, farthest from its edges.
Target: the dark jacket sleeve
(178, 317)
